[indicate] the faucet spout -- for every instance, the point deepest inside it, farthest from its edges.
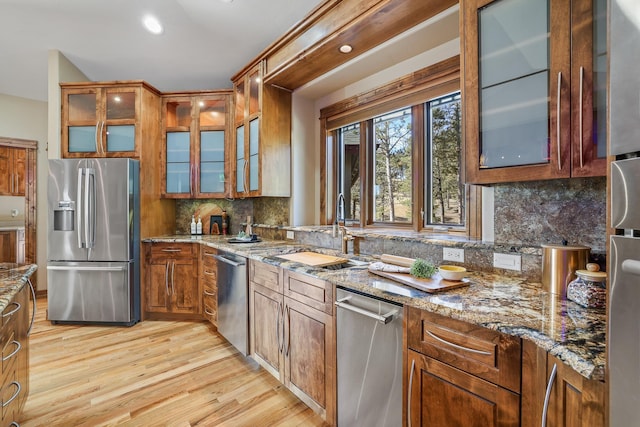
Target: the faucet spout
(340, 208)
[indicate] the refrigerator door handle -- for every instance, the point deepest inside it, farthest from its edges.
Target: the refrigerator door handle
(87, 208)
(631, 266)
(91, 197)
(79, 207)
(80, 268)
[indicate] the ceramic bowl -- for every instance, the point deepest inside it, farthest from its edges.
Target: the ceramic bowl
(452, 272)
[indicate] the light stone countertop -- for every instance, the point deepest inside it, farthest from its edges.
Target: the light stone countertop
(12, 278)
(573, 334)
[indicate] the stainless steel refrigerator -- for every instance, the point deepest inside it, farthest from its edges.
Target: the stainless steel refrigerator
(624, 277)
(93, 268)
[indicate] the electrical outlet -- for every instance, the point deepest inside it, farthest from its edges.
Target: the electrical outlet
(14, 213)
(290, 234)
(507, 261)
(453, 254)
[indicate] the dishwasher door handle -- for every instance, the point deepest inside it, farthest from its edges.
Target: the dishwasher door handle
(228, 261)
(382, 318)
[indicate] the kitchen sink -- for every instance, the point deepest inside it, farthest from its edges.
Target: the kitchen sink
(352, 263)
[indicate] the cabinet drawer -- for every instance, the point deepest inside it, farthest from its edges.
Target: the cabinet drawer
(173, 250)
(309, 290)
(210, 307)
(10, 350)
(474, 349)
(207, 254)
(11, 312)
(209, 277)
(265, 275)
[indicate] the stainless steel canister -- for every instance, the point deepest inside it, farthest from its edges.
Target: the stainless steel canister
(559, 265)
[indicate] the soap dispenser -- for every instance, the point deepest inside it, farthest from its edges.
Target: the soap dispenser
(193, 224)
(199, 226)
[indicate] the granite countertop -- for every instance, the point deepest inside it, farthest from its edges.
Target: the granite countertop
(566, 330)
(12, 279)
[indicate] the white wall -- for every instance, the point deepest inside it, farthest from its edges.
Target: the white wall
(27, 119)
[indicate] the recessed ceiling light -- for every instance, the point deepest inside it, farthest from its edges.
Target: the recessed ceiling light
(226, 1)
(346, 48)
(152, 24)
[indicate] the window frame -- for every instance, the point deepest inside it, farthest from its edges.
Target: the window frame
(412, 91)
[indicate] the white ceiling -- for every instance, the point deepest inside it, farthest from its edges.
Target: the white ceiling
(204, 42)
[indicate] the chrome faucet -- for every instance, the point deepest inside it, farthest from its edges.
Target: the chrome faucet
(340, 208)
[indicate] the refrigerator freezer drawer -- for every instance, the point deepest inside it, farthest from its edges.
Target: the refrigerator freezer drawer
(91, 292)
(624, 340)
(625, 198)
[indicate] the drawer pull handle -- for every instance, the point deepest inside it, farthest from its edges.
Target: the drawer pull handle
(209, 273)
(209, 255)
(460, 347)
(18, 347)
(208, 313)
(18, 389)
(209, 294)
(413, 368)
(171, 250)
(9, 314)
(547, 395)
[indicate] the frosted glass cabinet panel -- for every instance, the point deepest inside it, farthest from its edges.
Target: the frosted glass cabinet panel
(82, 139)
(254, 144)
(240, 161)
(513, 40)
(178, 162)
(121, 138)
(212, 162)
(514, 82)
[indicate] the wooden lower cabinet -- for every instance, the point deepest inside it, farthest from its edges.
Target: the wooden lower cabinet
(209, 284)
(172, 285)
(441, 395)
(460, 374)
(574, 401)
(14, 344)
(292, 340)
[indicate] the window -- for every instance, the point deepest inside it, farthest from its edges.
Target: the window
(393, 155)
(445, 196)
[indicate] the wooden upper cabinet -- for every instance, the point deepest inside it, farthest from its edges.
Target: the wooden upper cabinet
(105, 119)
(534, 89)
(12, 171)
(262, 137)
(195, 135)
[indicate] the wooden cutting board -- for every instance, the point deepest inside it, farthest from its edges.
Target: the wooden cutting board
(433, 284)
(314, 259)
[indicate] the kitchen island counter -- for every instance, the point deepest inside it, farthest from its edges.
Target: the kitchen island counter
(518, 307)
(12, 278)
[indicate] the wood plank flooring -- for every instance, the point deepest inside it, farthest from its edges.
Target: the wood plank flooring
(156, 373)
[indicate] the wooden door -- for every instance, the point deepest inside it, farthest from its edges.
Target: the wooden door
(184, 286)
(575, 401)
(442, 396)
(158, 276)
(8, 246)
(266, 328)
(5, 171)
(19, 171)
(310, 356)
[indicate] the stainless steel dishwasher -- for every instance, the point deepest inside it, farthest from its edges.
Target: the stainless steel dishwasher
(233, 300)
(369, 341)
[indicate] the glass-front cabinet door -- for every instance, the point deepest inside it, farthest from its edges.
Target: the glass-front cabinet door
(212, 128)
(534, 86)
(196, 138)
(100, 121)
(516, 89)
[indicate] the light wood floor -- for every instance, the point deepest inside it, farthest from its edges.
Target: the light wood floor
(152, 374)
